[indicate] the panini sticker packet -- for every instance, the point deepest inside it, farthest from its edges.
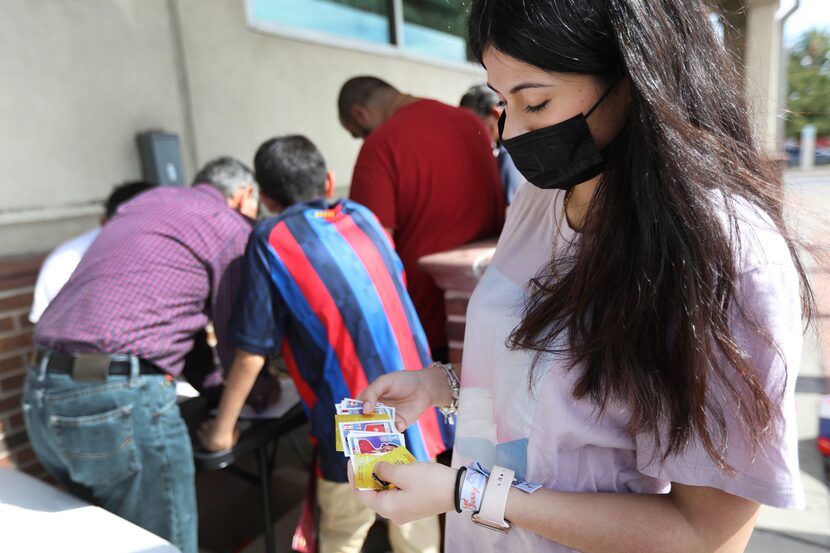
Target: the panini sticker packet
(372, 425)
(381, 410)
(369, 439)
(358, 418)
(369, 443)
(364, 468)
(351, 406)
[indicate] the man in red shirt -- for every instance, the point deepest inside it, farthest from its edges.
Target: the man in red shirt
(427, 170)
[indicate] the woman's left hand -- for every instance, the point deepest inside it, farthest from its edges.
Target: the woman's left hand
(423, 490)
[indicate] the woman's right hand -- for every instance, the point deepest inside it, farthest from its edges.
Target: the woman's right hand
(409, 392)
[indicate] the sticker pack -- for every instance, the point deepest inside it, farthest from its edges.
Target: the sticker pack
(368, 440)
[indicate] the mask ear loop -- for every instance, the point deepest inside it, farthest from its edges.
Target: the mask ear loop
(502, 119)
(602, 98)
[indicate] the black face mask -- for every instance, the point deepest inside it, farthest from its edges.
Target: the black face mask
(560, 156)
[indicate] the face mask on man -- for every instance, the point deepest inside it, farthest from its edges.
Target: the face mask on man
(560, 156)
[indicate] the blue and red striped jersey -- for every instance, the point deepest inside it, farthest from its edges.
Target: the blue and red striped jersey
(324, 286)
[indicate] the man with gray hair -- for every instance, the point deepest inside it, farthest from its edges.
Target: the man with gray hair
(234, 180)
(100, 401)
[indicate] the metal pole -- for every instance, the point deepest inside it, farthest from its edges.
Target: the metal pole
(784, 84)
(265, 488)
(396, 20)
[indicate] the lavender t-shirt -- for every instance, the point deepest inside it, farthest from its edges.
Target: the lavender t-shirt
(550, 438)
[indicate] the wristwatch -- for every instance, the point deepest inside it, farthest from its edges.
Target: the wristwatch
(491, 514)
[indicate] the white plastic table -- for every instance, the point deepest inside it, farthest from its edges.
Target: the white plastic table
(35, 516)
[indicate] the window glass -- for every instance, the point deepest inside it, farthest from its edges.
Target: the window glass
(366, 20)
(436, 28)
(717, 24)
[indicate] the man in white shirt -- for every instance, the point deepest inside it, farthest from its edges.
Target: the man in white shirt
(60, 264)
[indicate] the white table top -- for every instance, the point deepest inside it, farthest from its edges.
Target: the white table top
(289, 397)
(35, 516)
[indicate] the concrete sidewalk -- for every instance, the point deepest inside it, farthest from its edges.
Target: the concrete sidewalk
(808, 531)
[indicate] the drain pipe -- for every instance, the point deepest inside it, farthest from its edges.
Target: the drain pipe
(784, 86)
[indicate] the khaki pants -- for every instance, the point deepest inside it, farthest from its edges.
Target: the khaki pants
(345, 522)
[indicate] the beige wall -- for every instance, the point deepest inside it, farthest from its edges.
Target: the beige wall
(248, 86)
(81, 77)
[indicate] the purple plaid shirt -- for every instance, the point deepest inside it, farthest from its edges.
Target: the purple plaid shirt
(167, 261)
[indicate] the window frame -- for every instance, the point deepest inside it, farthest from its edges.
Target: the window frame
(390, 50)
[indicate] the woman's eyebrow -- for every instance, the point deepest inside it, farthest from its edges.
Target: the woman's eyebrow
(520, 87)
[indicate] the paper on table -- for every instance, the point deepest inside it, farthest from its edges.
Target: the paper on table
(288, 399)
(184, 390)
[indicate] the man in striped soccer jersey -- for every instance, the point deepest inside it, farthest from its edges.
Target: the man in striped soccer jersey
(324, 287)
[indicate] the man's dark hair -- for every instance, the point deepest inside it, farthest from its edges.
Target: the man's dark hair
(123, 193)
(356, 91)
(227, 175)
(480, 99)
(290, 169)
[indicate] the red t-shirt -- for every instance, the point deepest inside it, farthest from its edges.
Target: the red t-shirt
(429, 174)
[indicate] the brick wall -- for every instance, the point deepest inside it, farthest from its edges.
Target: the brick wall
(457, 272)
(17, 280)
(456, 303)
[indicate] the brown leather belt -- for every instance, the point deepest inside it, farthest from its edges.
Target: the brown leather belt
(92, 366)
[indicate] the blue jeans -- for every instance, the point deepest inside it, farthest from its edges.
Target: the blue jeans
(120, 444)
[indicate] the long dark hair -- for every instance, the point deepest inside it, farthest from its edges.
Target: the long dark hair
(647, 302)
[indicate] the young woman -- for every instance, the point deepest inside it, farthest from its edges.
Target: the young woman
(634, 344)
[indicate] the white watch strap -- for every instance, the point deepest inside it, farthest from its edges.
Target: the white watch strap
(494, 501)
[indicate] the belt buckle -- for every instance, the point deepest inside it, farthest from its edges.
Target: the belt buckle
(91, 367)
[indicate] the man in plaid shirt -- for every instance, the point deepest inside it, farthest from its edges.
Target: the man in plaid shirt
(100, 401)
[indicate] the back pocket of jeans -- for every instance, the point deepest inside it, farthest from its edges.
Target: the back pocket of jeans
(98, 448)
